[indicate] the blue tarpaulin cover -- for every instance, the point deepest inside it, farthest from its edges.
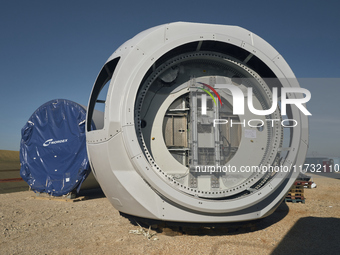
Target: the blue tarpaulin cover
(53, 148)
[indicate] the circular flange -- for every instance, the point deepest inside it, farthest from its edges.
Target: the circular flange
(186, 71)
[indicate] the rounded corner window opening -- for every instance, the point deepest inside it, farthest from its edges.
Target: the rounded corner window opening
(98, 97)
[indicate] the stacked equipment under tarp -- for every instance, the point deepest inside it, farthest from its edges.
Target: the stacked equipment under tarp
(53, 152)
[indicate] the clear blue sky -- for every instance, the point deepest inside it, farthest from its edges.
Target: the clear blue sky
(55, 49)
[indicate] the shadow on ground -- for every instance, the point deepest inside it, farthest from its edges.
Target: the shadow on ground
(211, 229)
(311, 235)
(91, 193)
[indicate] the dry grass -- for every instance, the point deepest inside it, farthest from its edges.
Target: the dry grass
(6, 155)
(9, 160)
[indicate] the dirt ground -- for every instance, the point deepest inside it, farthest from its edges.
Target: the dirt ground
(93, 226)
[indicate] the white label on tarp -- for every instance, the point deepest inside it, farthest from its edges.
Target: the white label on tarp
(250, 133)
(67, 179)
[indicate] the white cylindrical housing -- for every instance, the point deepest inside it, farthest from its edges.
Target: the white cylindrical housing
(182, 125)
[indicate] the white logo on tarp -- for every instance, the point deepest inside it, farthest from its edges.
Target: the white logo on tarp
(50, 141)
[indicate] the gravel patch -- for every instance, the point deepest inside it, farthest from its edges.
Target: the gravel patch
(93, 226)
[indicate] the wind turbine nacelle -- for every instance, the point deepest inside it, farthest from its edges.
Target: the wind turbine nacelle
(160, 154)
